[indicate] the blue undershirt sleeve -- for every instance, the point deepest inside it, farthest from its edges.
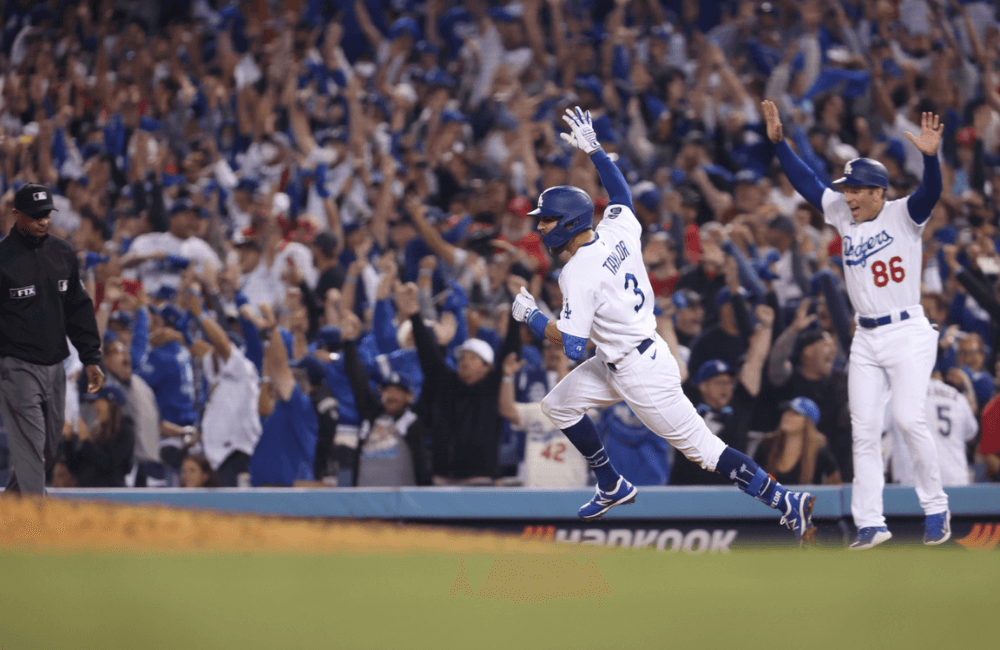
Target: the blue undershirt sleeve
(924, 199)
(802, 178)
(612, 179)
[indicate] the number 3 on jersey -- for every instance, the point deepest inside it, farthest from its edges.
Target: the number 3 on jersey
(635, 289)
(883, 275)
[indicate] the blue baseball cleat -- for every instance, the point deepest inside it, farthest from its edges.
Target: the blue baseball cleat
(870, 536)
(937, 528)
(624, 492)
(798, 515)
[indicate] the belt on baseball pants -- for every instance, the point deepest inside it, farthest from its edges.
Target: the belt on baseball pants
(872, 323)
(642, 347)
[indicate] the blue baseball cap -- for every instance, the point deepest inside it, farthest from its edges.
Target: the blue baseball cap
(426, 47)
(685, 298)
(396, 379)
(181, 205)
(404, 26)
(315, 369)
(711, 369)
(647, 195)
(165, 292)
(438, 77)
(803, 406)
(453, 117)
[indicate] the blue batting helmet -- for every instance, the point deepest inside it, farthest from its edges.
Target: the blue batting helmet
(864, 172)
(575, 210)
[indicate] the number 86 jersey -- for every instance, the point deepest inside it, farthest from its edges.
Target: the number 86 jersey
(606, 292)
(883, 257)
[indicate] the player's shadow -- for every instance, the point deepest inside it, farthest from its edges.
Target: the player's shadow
(535, 578)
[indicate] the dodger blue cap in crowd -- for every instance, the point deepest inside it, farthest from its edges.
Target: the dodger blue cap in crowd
(803, 406)
(711, 369)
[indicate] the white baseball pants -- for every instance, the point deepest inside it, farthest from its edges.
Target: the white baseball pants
(893, 364)
(650, 383)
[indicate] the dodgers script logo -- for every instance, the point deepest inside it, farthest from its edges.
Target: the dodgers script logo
(858, 253)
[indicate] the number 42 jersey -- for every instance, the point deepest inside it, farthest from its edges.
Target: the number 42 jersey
(606, 292)
(883, 257)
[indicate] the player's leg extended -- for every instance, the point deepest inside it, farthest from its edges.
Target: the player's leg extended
(586, 387)
(651, 385)
(867, 392)
(909, 376)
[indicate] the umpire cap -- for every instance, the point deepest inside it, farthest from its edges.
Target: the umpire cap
(34, 200)
(864, 172)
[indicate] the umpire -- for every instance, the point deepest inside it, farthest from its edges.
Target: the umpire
(42, 301)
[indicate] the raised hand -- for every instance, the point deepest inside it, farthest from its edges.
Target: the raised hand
(774, 131)
(930, 134)
(350, 326)
(582, 134)
(524, 306)
(511, 364)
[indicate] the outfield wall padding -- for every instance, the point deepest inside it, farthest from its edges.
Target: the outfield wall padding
(455, 503)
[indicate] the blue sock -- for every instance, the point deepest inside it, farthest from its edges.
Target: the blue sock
(749, 477)
(584, 437)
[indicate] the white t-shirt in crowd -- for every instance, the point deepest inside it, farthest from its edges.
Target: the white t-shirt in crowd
(230, 422)
(157, 273)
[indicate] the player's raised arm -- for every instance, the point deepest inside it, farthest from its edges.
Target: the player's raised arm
(802, 178)
(921, 202)
(582, 136)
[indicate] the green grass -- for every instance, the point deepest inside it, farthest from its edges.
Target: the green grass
(885, 598)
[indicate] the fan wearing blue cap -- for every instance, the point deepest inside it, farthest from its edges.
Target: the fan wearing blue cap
(391, 440)
(797, 452)
(165, 364)
(103, 457)
(894, 346)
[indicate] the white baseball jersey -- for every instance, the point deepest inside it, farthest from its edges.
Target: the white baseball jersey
(550, 460)
(883, 257)
(953, 425)
(606, 292)
(608, 298)
(883, 260)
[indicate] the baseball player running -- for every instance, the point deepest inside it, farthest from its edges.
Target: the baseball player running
(607, 297)
(894, 347)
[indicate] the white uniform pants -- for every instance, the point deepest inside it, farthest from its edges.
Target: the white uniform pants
(650, 383)
(893, 364)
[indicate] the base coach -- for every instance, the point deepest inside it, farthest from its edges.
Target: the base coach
(42, 301)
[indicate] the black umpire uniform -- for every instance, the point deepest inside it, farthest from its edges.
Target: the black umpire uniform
(42, 301)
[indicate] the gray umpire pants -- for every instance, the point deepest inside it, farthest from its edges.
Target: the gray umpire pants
(32, 404)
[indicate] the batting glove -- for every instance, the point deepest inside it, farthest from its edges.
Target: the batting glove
(524, 306)
(582, 136)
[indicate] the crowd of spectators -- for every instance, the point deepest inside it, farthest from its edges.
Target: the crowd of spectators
(302, 222)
